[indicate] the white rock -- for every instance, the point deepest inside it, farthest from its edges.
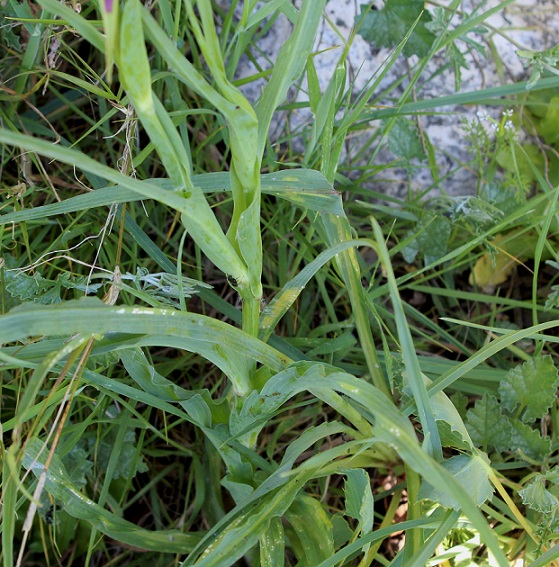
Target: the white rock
(524, 24)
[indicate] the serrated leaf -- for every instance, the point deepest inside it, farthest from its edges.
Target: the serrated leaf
(430, 238)
(25, 287)
(527, 441)
(532, 386)
(536, 496)
(404, 141)
(553, 475)
(552, 300)
(359, 502)
(450, 423)
(387, 27)
(470, 472)
(450, 437)
(128, 465)
(487, 425)
(77, 465)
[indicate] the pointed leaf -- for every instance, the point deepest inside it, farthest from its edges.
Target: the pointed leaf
(528, 441)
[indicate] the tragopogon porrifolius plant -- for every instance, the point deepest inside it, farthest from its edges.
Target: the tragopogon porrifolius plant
(88, 390)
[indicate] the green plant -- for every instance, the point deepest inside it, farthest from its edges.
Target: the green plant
(251, 423)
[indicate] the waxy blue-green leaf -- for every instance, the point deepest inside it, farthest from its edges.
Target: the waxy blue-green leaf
(222, 344)
(290, 63)
(110, 12)
(60, 486)
(306, 188)
(244, 531)
(145, 375)
(235, 531)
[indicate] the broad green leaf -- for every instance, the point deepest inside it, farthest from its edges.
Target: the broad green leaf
(25, 287)
(388, 27)
(487, 425)
(531, 388)
(60, 486)
(342, 531)
(536, 496)
(470, 472)
(359, 501)
(404, 141)
(553, 475)
(527, 441)
(313, 529)
(7, 35)
(42, 290)
(77, 465)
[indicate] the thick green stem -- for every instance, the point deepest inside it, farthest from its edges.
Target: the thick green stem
(251, 316)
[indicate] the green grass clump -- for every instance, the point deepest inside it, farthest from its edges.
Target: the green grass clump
(218, 350)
